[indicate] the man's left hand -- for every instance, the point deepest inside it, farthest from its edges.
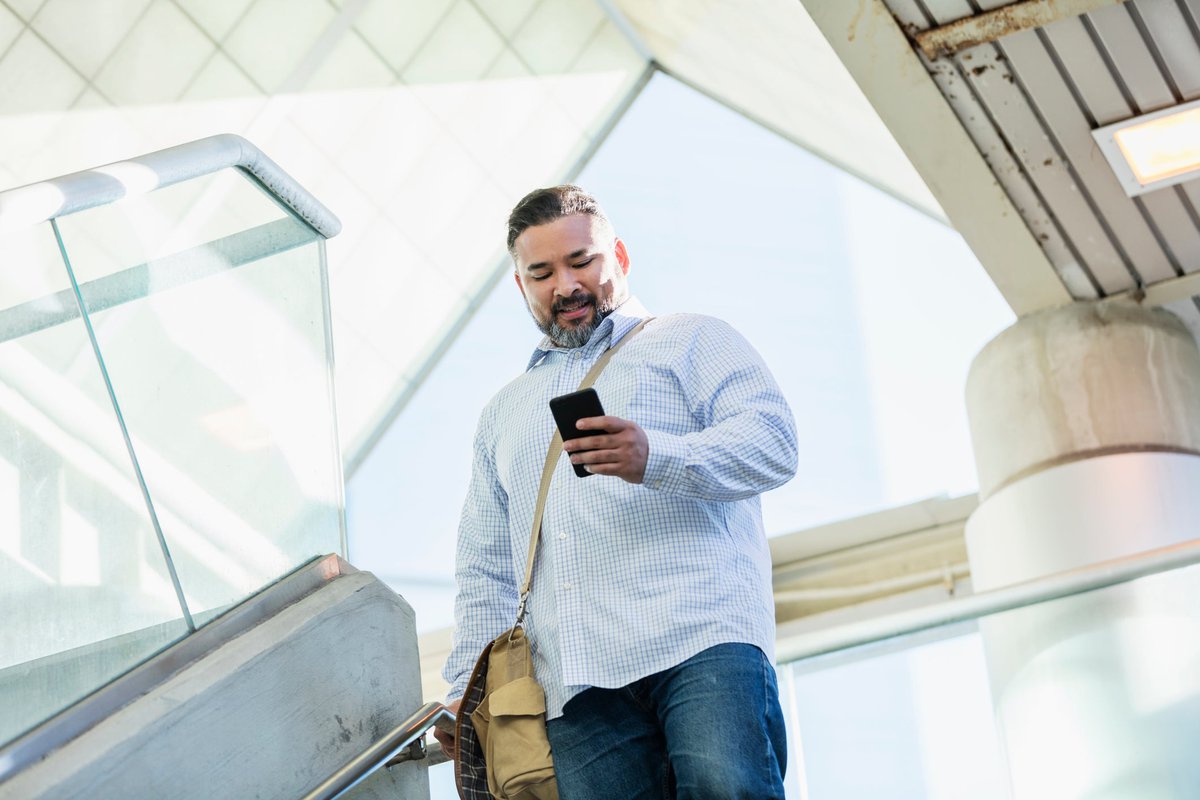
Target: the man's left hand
(619, 447)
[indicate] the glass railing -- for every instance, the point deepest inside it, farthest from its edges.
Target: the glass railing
(1080, 685)
(167, 434)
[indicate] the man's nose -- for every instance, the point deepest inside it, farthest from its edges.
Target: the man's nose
(567, 283)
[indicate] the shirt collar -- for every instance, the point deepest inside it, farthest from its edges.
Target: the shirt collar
(621, 321)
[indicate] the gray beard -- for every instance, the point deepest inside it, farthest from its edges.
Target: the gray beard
(571, 338)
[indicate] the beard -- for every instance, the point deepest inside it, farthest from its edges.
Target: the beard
(579, 335)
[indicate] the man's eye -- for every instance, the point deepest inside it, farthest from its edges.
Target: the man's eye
(582, 264)
(539, 277)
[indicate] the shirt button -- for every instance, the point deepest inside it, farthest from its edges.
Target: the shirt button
(562, 536)
(578, 354)
(566, 585)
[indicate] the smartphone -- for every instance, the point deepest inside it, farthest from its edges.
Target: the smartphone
(569, 408)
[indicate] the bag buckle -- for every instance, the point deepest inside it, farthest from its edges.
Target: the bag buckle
(521, 607)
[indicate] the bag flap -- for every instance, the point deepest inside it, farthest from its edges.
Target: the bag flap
(522, 697)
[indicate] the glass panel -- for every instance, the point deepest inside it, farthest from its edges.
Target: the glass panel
(84, 589)
(1087, 696)
(1098, 695)
(209, 308)
(909, 719)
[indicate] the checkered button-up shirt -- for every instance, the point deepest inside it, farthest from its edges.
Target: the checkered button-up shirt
(629, 579)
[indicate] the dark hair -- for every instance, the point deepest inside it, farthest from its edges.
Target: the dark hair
(546, 205)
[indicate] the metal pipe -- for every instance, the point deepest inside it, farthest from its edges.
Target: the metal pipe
(991, 25)
(30, 205)
(377, 755)
(1020, 595)
(946, 576)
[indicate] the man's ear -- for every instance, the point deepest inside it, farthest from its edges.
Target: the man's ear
(622, 255)
(517, 278)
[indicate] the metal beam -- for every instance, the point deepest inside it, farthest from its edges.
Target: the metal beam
(1163, 292)
(1021, 595)
(881, 58)
(991, 25)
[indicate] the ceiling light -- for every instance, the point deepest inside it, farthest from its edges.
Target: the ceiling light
(1158, 149)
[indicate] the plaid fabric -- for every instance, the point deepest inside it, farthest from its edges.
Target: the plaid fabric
(470, 773)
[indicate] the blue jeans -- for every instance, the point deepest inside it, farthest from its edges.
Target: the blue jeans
(710, 727)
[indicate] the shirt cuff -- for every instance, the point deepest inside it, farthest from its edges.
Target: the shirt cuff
(666, 463)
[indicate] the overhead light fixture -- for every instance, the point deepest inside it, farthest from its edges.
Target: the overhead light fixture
(1158, 149)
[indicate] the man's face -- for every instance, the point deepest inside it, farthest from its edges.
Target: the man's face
(572, 273)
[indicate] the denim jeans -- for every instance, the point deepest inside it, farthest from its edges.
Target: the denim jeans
(710, 727)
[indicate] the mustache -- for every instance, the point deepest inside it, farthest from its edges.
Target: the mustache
(574, 301)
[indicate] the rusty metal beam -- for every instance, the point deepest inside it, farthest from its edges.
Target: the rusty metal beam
(991, 25)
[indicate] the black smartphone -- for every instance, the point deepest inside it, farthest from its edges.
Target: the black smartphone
(569, 408)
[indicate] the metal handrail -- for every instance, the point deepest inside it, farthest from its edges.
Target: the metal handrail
(30, 205)
(1100, 575)
(387, 751)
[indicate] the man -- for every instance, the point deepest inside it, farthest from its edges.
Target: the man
(651, 616)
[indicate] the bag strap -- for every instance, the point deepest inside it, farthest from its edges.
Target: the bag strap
(552, 460)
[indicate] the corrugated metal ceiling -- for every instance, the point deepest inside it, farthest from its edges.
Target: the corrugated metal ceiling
(1030, 101)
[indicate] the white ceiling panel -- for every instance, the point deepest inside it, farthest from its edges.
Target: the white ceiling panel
(351, 62)
(1172, 36)
(34, 78)
(1065, 122)
(86, 34)
(216, 19)
(90, 98)
(275, 36)
(219, 78)
(508, 65)
(554, 34)
(462, 47)
(398, 36)
(166, 38)
(506, 15)
(10, 28)
(767, 60)
(27, 9)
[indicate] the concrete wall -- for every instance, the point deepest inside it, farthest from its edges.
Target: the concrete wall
(269, 714)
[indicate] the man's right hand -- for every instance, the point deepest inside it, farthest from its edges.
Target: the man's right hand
(447, 740)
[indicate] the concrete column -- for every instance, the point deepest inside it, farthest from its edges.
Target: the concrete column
(1086, 427)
